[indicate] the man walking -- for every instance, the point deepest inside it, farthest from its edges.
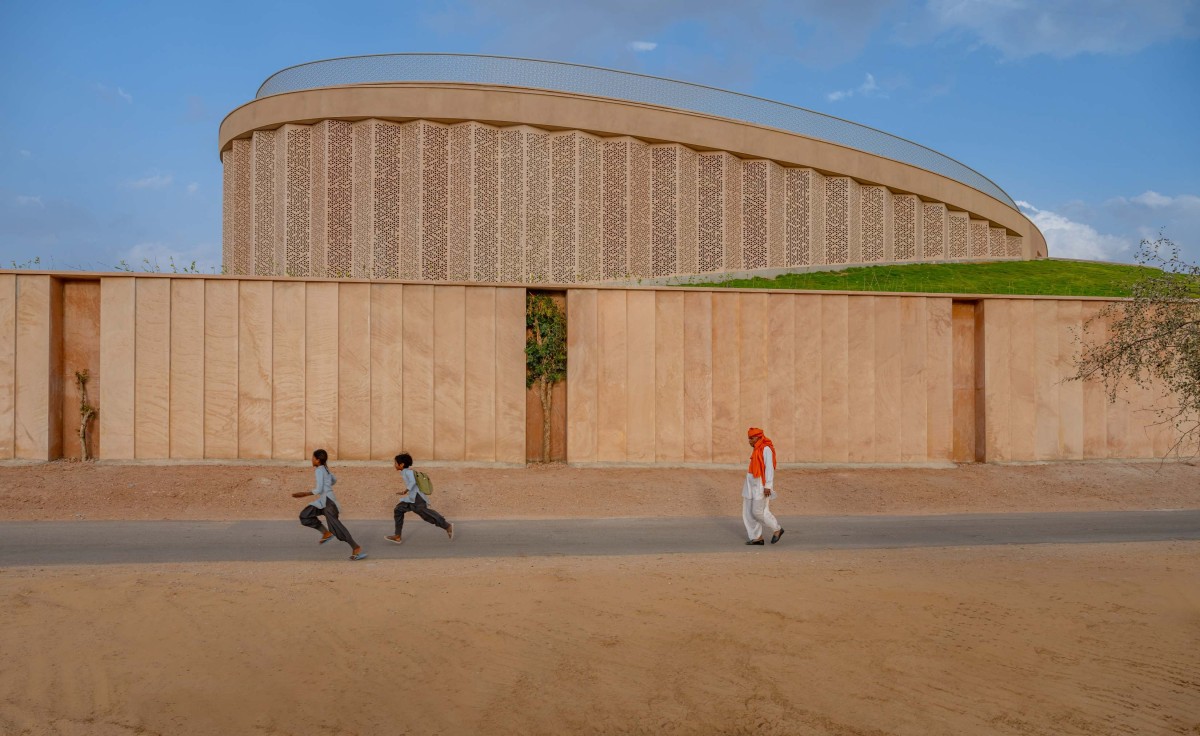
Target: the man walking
(757, 490)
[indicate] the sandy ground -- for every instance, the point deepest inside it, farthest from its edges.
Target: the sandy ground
(1096, 639)
(1078, 639)
(72, 490)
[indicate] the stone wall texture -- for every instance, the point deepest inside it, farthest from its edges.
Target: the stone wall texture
(478, 203)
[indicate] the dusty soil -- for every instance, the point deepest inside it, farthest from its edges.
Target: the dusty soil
(72, 490)
(999, 640)
(1003, 640)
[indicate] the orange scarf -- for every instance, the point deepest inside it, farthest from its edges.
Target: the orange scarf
(757, 464)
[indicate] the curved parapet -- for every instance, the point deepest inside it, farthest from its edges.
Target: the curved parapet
(468, 168)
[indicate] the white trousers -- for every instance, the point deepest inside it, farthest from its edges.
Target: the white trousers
(756, 512)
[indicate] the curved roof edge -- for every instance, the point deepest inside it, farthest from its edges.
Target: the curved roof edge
(615, 84)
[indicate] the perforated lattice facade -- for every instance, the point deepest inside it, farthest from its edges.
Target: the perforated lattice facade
(958, 226)
(935, 231)
(977, 238)
(907, 217)
(473, 202)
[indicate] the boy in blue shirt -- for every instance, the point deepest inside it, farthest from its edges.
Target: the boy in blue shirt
(413, 500)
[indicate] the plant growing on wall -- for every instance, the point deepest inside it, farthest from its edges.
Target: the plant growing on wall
(86, 412)
(545, 355)
(1153, 340)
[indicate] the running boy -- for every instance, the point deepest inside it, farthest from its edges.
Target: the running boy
(413, 500)
(326, 505)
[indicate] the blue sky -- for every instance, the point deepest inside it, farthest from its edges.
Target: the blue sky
(1086, 110)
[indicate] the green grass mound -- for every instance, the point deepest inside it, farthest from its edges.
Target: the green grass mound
(1044, 277)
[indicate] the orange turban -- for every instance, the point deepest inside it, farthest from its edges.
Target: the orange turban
(757, 459)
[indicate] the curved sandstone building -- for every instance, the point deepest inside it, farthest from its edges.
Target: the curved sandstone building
(488, 169)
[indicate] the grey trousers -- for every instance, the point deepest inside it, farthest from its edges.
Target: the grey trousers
(308, 517)
(421, 509)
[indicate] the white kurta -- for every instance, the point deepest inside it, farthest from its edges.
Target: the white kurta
(756, 506)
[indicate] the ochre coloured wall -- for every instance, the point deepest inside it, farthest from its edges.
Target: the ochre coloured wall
(482, 203)
(256, 369)
(224, 368)
(676, 376)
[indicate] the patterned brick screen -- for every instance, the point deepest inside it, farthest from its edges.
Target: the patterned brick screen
(473, 202)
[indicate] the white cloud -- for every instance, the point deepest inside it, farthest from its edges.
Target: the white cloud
(155, 181)
(643, 45)
(1154, 200)
(867, 89)
(191, 188)
(1062, 28)
(112, 93)
(1066, 238)
(27, 201)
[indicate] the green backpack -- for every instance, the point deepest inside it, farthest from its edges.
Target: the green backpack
(424, 485)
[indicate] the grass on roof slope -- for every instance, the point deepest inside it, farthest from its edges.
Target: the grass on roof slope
(1044, 277)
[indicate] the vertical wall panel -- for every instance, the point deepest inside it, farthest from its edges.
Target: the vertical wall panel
(116, 367)
(8, 364)
(418, 370)
(939, 377)
(34, 351)
(537, 206)
(583, 360)
(80, 351)
(363, 209)
(997, 378)
(843, 232)
(908, 219)
(387, 210)
(612, 376)
(889, 353)
(321, 368)
(1095, 403)
(187, 368)
(876, 224)
(1022, 356)
(639, 208)
(669, 377)
(640, 415)
(435, 196)
(914, 394)
(152, 368)
(834, 381)
(461, 202)
(861, 378)
(728, 434)
(964, 372)
(387, 370)
(449, 372)
(511, 215)
(807, 349)
(220, 369)
(935, 230)
(1046, 381)
(255, 343)
(480, 390)
(510, 376)
(238, 256)
(958, 229)
(753, 349)
(287, 370)
(697, 377)
(354, 371)
(485, 224)
(1070, 393)
(564, 200)
(781, 375)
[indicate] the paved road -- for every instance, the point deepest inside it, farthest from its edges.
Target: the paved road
(33, 543)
